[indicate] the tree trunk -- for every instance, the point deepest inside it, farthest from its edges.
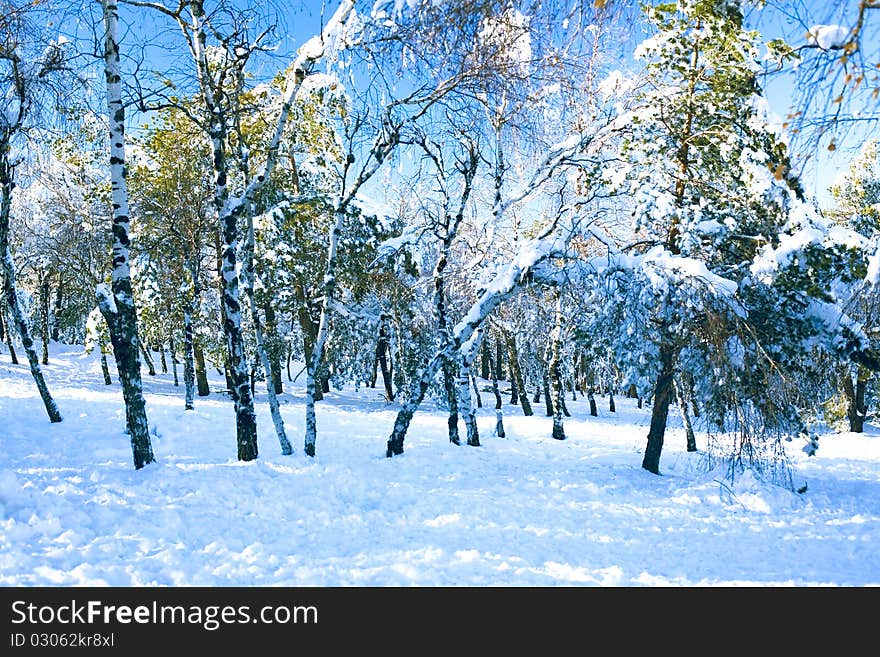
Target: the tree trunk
(56, 311)
(476, 388)
(484, 361)
(174, 361)
(105, 369)
(593, 410)
(271, 386)
(516, 375)
(309, 332)
(317, 358)
(273, 348)
(162, 363)
(382, 349)
(554, 374)
(44, 316)
(505, 284)
(151, 369)
(545, 384)
(856, 409)
(381, 360)
(201, 370)
(499, 416)
(10, 294)
(8, 334)
(117, 304)
(681, 394)
(449, 386)
(660, 410)
(405, 414)
(499, 360)
(468, 356)
(611, 407)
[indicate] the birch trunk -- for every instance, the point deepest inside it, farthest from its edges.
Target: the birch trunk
(117, 303)
(10, 297)
(228, 214)
(555, 374)
(681, 395)
(250, 277)
(188, 359)
(7, 272)
(466, 406)
(504, 285)
(323, 329)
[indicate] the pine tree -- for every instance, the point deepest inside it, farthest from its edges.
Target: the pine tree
(710, 185)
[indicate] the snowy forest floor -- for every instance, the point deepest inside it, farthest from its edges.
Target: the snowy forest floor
(525, 510)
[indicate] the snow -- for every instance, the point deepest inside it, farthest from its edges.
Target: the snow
(522, 511)
(104, 296)
(827, 36)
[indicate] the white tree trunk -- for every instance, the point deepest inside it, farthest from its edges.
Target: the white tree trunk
(117, 304)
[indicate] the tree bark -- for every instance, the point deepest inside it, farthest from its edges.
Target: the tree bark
(173, 353)
(505, 284)
(228, 212)
(8, 334)
(554, 367)
(201, 370)
(660, 410)
(250, 279)
(516, 375)
(856, 409)
(476, 388)
(382, 349)
(405, 414)
(117, 303)
(44, 316)
(499, 360)
(545, 385)
(681, 394)
(468, 356)
(499, 416)
(449, 386)
(162, 362)
(10, 293)
(309, 331)
(484, 361)
(317, 357)
(56, 311)
(151, 369)
(273, 348)
(105, 368)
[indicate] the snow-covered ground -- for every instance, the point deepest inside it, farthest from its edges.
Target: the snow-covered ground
(521, 511)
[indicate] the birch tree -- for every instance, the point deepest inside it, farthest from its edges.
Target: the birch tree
(116, 301)
(216, 72)
(20, 83)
